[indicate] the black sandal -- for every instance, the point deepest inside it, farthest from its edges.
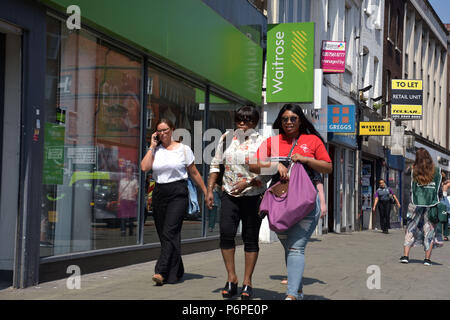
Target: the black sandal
(246, 293)
(230, 290)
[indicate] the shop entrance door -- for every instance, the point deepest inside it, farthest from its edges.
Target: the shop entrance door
(10, 107)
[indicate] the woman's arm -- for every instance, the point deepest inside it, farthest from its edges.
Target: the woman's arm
(196, 177)
(323, 204)
(320, 166)
(147, 162)
(396, 200)
(375, 204)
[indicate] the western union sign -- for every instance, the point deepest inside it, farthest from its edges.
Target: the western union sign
(407, 100)
(368, 128)
(290, 62)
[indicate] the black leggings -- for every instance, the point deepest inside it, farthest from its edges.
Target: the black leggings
(233, 210)
(170, 203)
(384, 206)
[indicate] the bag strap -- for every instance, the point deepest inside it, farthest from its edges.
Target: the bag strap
(292, 149)
(290, 154)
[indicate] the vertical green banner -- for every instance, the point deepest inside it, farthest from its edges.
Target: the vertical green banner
(290, 62)
(53, 171)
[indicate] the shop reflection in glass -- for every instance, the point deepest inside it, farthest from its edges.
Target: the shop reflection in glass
(92, 127)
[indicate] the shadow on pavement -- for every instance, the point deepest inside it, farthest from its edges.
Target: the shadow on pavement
(313, 297)
(306, 281)
(421, 262)
(4, 285)
(193, 276)
(258, 294)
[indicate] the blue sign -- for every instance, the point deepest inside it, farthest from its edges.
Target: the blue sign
(341, 119)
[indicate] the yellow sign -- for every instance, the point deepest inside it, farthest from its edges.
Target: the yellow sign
(407, 109)
(53, 216)
(375, 128)
(406, 84)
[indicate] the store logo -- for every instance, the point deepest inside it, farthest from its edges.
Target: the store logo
(74, 21)
(299, 52)
(278, 65)
(290, 62)
(74, 281)
(374, 281)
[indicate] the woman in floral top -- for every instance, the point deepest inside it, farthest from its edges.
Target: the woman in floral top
(240, 199)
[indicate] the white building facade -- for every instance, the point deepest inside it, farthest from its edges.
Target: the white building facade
(337, 20)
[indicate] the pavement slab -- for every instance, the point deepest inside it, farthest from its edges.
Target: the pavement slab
(338, 267)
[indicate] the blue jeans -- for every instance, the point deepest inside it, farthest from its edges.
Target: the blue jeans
(294, 242)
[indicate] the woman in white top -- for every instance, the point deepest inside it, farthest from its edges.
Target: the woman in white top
(171, 163)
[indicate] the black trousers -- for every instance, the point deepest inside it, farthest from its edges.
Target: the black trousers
(233, 210)
(384, 206)
(170, 204)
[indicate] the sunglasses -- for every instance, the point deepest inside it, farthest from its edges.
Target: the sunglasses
(243, 119)
(292, 119)
(163, 130)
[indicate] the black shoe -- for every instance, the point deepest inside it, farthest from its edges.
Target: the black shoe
(246, 293)
(404, 259)
(230, 290)
(427, 262)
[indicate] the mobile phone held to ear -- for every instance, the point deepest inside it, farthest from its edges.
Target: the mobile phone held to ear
(157, 138)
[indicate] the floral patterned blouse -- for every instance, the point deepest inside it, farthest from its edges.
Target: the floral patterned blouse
(234, 159)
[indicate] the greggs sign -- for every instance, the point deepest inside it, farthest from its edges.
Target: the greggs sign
(290, 62)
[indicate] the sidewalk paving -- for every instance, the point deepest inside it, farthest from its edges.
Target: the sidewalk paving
(336, 269)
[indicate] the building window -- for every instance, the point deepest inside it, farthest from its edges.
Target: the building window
(183, 104)
(91, 144)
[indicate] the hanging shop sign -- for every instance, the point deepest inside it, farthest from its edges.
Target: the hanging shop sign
(407, 100)
(333, 56)
(341, 118)
(290, 62)
(368, 128)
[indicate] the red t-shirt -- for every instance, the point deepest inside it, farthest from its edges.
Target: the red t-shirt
(308, 145)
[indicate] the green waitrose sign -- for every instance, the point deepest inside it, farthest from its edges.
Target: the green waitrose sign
(290, 62)
(187, 34)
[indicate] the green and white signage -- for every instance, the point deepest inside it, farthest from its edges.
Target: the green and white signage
(290, 62)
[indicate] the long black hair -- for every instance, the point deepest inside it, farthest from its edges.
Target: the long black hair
(306, 127)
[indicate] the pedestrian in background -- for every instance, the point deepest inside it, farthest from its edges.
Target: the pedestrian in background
(384, 197)
(240, 198)
(426, 181)
(171, 163)
(128, 192)
(295, 129)
(442, 226)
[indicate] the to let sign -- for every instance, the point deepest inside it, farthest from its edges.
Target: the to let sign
(290, 62)
(407, 100)
(333, 56)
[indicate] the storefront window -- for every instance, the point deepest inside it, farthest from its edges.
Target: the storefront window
(91, 144)
(221, 117)
(183, 104)
(394, 184)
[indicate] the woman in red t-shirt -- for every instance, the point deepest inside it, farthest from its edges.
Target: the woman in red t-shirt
(311, 152)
